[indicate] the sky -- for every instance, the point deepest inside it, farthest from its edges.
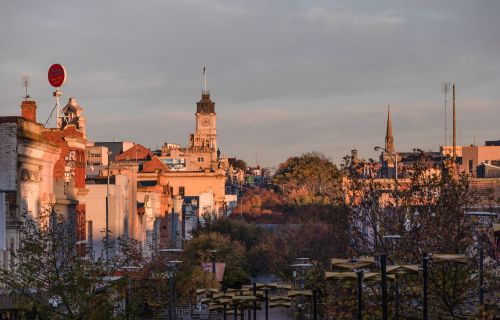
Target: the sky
(287, 76)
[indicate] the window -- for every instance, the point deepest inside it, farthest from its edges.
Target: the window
(90, 241)
(181, 191)
(470, 166)
(201, 159)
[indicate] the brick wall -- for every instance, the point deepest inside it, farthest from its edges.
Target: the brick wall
(489, 189)
(56, 136)
(28, 110)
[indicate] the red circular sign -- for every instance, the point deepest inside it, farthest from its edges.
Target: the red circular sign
(57, 75)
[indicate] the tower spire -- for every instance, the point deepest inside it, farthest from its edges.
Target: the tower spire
(389, 138)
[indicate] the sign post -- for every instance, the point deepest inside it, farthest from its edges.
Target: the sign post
(56, 76)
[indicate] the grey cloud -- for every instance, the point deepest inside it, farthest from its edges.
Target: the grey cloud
(287, 76)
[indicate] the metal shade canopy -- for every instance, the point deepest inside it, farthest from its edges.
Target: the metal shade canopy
(496, 229)
(351, 265)
(279, 298)
(297, 293)
(244, 298)
(284, 286)
(207, 291)
(271, 285)
(375, 276)
(341, 276)
(172, 250)
(215, 307)
(402, 269)
(458, 258)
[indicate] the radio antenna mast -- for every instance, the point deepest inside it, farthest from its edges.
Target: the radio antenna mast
(26, 83)
(454, 129)
(446, 88)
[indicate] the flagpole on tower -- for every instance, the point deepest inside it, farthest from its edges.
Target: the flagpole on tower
(204, 79)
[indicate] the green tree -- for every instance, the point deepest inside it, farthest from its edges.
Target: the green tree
(232, 253)
(310, 178)
(240, 164)
(427, 209)
(50, 279)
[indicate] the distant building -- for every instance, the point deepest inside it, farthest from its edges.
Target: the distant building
(447, 151)
(69, 169)
(115, 148)
(202, 152)
(492, 143)
(96, 155)
(486, 170)
(473, 156)
(119, 212)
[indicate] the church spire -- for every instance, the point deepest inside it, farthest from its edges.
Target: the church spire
(389, 138)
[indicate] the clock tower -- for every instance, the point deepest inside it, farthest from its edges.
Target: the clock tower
(205, 135)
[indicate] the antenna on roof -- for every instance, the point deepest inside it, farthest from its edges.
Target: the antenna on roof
(26, 83)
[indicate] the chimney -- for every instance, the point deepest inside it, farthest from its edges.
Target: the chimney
(28, 110)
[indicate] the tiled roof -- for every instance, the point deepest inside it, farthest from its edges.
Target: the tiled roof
(138, 152)
(153, 165)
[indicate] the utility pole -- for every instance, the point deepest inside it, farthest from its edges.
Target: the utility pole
(107, 213)
(359, 293)
(383, 270)
(425, 260)
(254, 287)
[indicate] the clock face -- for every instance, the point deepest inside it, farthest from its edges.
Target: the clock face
(205, 122)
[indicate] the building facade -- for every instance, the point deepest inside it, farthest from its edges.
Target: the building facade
(27, 164)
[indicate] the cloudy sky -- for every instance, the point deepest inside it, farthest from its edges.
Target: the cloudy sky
(287, 76)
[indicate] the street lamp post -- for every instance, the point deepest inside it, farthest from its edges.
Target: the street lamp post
(315, 304)
(172, 265)
(212, 253)
(266, 294)
(425, 261)
(481, 239)
(394, 238)
(394, 159)
(302, 265)
(383, 271)
(171, 269)
(359, 292)
(356, 266)
(127, 293)
(254, 289)
(107, 213)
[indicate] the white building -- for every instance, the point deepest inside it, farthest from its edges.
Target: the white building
(26, 176)
(123, 220)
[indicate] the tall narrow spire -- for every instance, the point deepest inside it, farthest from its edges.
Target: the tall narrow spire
(389, 138)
